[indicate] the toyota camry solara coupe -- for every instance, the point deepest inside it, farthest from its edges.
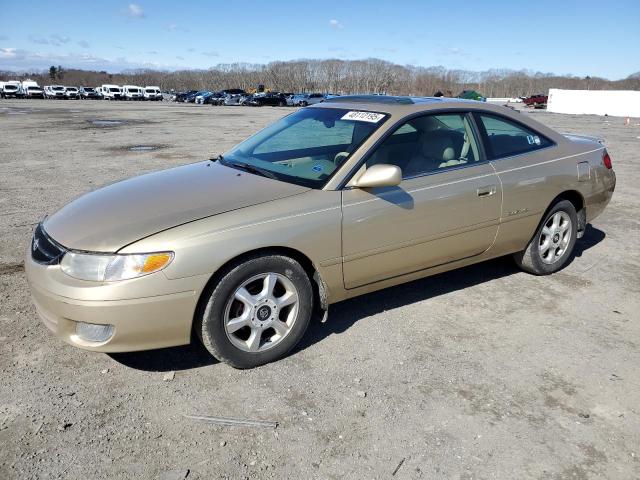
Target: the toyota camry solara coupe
(333, 201)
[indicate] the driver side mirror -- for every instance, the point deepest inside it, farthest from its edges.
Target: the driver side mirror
(381, 175)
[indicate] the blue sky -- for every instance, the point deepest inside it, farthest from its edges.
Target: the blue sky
(597, 38)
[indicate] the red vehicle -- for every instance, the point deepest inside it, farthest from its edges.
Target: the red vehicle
(538, 100)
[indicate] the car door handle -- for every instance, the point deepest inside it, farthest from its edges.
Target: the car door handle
(486, 191)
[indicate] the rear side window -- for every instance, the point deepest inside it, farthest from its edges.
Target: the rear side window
(507, 138)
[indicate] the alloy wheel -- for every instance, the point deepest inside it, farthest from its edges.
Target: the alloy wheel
(555, 237)
(261, 312)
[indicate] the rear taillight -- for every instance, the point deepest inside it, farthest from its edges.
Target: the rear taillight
(606, 159)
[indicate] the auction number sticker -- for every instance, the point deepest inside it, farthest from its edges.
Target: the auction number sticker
(363, 116)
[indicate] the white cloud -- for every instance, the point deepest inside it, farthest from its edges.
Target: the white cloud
(54, 39)
(9, 53)
(59, 39)
(20, 60)
(335, 24)
(83, 44)
(172, 27)
(135, 11)
(211, 54)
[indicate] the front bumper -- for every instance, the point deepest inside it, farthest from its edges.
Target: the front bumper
(147, 313)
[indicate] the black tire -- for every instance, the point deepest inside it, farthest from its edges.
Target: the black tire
(281, 104)
(304, 104)
(209, 322)
(531, 259)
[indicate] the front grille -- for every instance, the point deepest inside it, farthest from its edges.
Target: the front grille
(44, 250)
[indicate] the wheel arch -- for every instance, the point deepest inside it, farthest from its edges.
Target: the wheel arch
(320, 291)
(577, 199)
(578, 202)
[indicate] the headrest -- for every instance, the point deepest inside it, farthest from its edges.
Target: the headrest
(437, 146)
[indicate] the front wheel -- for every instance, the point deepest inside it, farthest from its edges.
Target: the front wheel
(257, 312)
(552, 245)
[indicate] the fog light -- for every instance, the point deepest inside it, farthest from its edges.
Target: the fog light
(91, 332)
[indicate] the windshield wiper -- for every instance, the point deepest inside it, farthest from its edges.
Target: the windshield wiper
(247, 167)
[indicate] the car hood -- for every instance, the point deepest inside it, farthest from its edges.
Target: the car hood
(114, 216)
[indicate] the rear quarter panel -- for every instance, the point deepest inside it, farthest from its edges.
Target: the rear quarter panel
(530, 183)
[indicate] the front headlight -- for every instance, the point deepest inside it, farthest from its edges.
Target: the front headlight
(109, 268)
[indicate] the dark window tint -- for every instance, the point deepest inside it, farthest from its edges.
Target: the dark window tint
(508, 138)
(429, 144)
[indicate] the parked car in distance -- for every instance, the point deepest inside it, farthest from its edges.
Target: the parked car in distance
(54, 91)
(132, 92)
(31, 89)
(180, 96)
(311, 99)
(11, 89)
(235, 99)
(87, 93)
(71, 93)
(152, 93)
(201, 96)
(294, 99)
(333, 201)
(271, 99)
(191, 98)
(217, 98)
(538, 100)
(111, 92)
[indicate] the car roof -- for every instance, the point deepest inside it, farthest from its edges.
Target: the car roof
(399, 107)
(406, 105)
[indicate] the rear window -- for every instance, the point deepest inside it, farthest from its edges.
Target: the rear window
(507, 138)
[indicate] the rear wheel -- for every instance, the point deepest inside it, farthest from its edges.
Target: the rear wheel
(257, 312)
(552, 245)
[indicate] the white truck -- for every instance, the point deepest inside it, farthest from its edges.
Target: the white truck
(111, 92)
(31, 89)
(152, 93)
(12, 88)
(133, 92)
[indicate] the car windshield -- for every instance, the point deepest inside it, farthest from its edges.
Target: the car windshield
(305, 147)
(114, 89)
(57, 88)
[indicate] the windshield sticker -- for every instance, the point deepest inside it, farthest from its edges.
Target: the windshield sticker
(363, 116)
(317, 168)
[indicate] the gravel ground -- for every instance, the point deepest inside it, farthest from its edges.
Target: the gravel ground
(481, 373)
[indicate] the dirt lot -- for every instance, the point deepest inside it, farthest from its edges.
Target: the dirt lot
(482, 373)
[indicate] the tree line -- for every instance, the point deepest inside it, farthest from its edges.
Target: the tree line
(337, 76)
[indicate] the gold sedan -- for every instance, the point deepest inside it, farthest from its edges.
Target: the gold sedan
(336, 200)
